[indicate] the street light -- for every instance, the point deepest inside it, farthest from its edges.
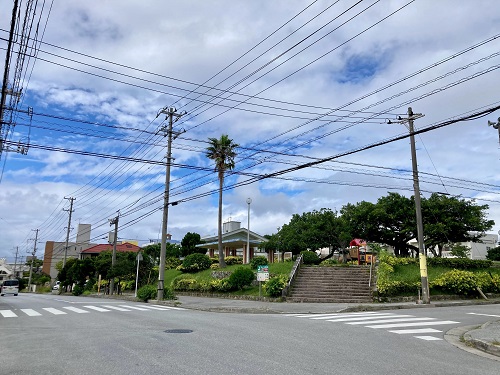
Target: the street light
(249, 200)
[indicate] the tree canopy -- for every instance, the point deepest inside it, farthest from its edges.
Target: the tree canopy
(189, 242)
(391, 221)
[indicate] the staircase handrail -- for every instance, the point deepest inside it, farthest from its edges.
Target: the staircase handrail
(293, 274)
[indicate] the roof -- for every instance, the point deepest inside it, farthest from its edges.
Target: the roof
(122, 248)
(357, 242)
(235, 238)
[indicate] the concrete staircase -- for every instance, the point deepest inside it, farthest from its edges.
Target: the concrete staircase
(332, 284)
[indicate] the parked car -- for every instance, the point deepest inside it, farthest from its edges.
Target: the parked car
(56, 286)
(9, 287)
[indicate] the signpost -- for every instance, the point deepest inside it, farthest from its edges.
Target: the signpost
(262, 275)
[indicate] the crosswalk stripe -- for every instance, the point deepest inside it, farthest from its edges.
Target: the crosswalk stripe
(332, 314)
(169, 307)
(393, 320)
(135, 308)
(155, 308)
(364, 319)
(76, 309)
(31, 312)
(428, 338)
(350, 316)
(414, 331)
(54, 311)
(416, 324)
(96, 308)
(116, 308)
(8, 314)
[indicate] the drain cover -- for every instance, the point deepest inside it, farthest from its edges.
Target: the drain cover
(178, 331)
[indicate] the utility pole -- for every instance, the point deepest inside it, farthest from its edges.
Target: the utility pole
(69, 228)
(418, 208)
(496, 125)
(15, 260)
(33, 257)
(113, 256)
(171, 113)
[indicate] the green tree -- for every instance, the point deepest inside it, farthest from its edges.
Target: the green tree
(189, 242)
(460, 251)
(451, 220)
(222, 152)
(493, 254)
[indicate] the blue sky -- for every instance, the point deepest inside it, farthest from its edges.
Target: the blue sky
(289, 81)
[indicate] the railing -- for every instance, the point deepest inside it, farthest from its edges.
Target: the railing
(293, 274)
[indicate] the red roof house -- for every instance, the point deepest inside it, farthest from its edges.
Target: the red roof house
(97, 249)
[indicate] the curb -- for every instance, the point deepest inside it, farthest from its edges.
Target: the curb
(480, 344)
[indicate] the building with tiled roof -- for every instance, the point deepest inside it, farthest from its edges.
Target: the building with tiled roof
(97, 249)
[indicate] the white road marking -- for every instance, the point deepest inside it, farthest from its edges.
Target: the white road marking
(337, 318)
(135, 308)
(76, 309)
(8, 314)
(496, 316)
(428, 338)
(100, 309)
(31, 312)
(394, 320)
(169, 307)
(115, 308)
(364, 319)
(416, 324)
(332, 314)
(413, 331)
(54, 311)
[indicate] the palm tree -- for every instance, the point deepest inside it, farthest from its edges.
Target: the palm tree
(221, 151)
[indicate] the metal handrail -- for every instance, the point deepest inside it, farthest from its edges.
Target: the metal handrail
(293, 274)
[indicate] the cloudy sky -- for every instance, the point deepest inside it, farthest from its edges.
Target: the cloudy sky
(290, 81)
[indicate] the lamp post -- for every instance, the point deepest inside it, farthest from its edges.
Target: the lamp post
(249, 200)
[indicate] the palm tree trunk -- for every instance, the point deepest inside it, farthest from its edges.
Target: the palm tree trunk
(222, 263)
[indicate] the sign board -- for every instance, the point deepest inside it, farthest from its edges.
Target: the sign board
(263, 273)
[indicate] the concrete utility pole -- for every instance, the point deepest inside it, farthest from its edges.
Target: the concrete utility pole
(113, 256)
(171, 113)
(496, 125)
(15, 260)
(32, 258)
(418, 208)
(69, 228)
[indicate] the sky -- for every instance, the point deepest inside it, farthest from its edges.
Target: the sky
(290, 82)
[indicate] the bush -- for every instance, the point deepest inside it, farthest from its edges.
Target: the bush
(330, 262)
(77, 290)
(457, 282)
(168, 294)
(258, 261)
(233, 260)
(195, 262)
(275, 285)
(493, 254)
(241, 277)
(221, 285)
(185, 284)
(172, 263)
(147, 292)
(310, 257)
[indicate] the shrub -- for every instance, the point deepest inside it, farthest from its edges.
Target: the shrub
(147, 292)
(172, 262)
(195, 262)
(258, 261)
(275, 285)
(330, 262)
(457, 281)
(310, 257)
(241, 277)
(184, 284)
(77, 290)
(489, 283)
(221, 285)
(233, 260)
(493, 254)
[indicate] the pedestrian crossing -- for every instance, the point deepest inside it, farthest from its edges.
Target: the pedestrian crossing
(64, 310)
(402, 324)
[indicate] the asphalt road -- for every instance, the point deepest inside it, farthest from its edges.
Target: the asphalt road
(47, 334)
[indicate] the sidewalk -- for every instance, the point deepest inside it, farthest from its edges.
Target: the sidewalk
(486, 338)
